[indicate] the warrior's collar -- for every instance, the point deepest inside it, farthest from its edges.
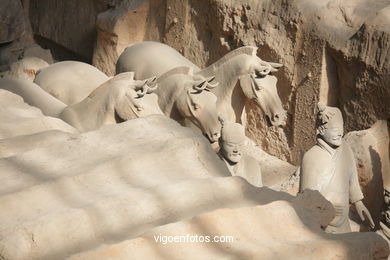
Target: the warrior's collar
(321, 143)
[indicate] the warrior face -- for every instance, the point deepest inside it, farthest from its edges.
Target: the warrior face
(232, 141)
(331, 127)
(332, 133)
(232, 151)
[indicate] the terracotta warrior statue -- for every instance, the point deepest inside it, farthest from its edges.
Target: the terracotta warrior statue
(384, 224)
(231, 145)
(329, 167)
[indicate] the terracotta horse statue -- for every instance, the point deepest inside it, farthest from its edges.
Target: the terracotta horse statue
(241, 74)
(70, 81)
(119, 99)
(184, 97)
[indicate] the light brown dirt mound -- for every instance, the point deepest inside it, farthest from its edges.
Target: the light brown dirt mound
(278, 230)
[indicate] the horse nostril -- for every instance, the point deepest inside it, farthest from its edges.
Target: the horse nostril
(275, 118)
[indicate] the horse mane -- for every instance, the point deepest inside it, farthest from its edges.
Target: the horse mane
(178, 70)
(106, 84)
(248, 50)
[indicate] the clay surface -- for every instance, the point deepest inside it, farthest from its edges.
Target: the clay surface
(70, 81)
(19, 119)
(247, 244)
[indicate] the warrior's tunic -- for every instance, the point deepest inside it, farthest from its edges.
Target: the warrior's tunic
(247, 168)
(333, 173)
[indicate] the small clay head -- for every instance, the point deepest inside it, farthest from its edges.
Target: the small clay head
(231, 141)
(386, 196)
(330, 124)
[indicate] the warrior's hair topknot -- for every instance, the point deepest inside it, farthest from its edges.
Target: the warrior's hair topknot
(326, 113)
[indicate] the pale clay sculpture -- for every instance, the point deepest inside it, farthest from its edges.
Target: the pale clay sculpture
(330, 168)
(70, 81)
(231, 142)
(184, 96)
(241, 66)
(119, 99)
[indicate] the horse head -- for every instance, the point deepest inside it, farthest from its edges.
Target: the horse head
(259, 85)
(201, 107)
(135, 98)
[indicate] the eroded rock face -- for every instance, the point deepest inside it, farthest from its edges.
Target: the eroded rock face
(114, 33)
(11, 21)
(15, 32)
(70, 24)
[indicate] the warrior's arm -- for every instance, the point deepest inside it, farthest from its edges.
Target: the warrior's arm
(355, 192)
(308, 174)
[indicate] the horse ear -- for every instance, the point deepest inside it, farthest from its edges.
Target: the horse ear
(200, 86)
(275, 66)
(209, 79)
(151, 81)
(151, 84)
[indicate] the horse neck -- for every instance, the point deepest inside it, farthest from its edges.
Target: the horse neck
(227, 73)
(229, 93)
(93, 111)
(169, 95)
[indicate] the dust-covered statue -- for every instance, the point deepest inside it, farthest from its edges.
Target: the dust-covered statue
(231, 144)
(329, 167)
(118, 99)
(242, 77)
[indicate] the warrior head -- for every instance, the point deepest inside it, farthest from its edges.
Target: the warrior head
(330, 125)
(231, 141)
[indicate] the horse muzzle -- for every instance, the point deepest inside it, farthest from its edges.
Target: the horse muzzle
(278, 119)
(213, 136)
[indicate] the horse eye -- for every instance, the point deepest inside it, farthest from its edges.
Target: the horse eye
(257, 75)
